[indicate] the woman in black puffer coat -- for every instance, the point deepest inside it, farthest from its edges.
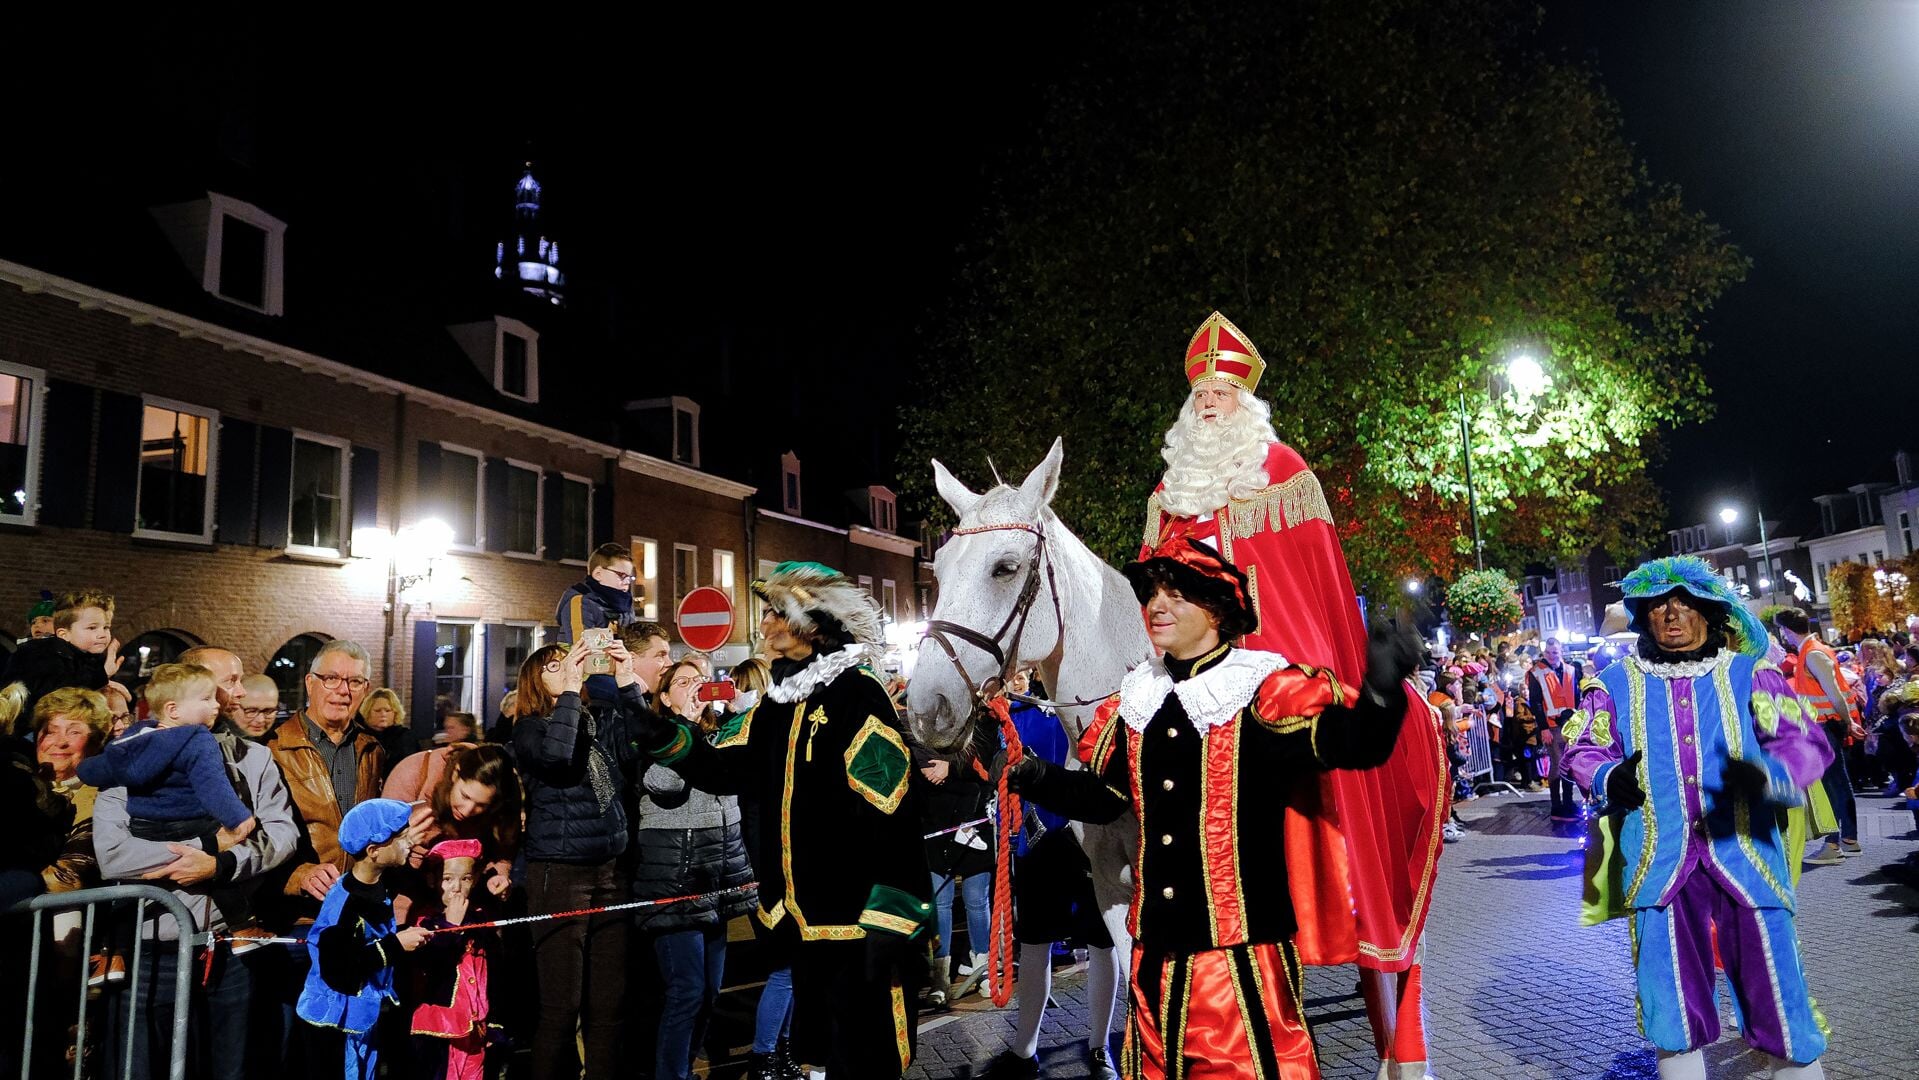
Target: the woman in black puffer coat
(574, 758)
(687, 842)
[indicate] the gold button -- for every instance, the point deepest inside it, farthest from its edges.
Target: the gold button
(1167, 892)
(1172, 733)
(1166, 785)
(1166, 839)
(1693, 780)
(1689, 740)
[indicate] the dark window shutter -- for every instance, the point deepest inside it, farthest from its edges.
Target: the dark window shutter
(495, 510)
(493, 675)
(421, 715)
(233, 503)
(551, 498)
(276, 486)
(364, 476)
(66, 441)
(428, 501)
(602, 514)
(116, 478)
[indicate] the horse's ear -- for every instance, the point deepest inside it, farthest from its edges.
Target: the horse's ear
(1043, 481)
(956, 494)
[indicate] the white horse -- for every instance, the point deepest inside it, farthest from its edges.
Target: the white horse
(1081, 628)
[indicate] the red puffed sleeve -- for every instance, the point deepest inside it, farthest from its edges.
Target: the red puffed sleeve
(1291, 697)
(1090, 738)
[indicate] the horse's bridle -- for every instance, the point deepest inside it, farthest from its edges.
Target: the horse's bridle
(1007, 656)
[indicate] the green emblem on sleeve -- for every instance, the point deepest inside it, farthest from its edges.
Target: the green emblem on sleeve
(877, 765)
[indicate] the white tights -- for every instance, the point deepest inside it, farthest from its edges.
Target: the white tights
(1036, 985)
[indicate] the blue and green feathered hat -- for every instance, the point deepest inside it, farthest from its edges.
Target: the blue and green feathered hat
(1697, 577)
(809, 594)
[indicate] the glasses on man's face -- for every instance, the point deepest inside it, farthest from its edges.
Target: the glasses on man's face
(624, 579)
(353, 682)
(262, 713)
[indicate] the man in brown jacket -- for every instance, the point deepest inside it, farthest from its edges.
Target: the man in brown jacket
(331, 763)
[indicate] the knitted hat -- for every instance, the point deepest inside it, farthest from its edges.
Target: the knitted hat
(374, 821)
(455, 849)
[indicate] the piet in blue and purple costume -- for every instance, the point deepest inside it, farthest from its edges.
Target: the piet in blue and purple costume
(1726, 748)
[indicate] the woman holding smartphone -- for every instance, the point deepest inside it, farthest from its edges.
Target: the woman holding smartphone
(687, 842)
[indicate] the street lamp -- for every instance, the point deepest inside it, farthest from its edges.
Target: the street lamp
(1527, 379)
(1413, 586)
(1728, 515)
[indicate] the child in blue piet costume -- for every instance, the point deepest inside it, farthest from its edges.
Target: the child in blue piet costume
(1698, 745)
(353, 945)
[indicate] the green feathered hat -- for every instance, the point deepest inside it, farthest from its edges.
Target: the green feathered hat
(1697, 577)
(43, 609)
(815, 598)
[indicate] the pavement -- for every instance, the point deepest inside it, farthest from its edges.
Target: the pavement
(1515, 988)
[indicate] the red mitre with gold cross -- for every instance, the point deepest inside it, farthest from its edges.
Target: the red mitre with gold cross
(1220, 351)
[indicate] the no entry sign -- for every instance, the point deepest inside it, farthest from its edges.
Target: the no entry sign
(705, 619)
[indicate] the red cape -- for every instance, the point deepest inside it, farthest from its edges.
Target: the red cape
(1363, 847)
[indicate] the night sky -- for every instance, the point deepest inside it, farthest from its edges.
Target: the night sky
(764, 212)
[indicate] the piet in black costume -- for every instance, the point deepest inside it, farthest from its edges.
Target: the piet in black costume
(1203, 747)
(843, 882)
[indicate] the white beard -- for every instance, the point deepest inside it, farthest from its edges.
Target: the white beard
(1211, 462)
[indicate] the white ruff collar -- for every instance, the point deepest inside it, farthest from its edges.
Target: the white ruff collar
(817, 674)
(1689, 669)
(1210, 698)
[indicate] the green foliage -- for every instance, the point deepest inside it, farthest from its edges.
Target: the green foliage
(1767, 612)
(1392, 198)
(1484, 602)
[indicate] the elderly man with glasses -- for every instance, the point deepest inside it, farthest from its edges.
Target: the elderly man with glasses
(331, 763)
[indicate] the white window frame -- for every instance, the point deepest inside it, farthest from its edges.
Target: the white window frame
(221, 207)
(790, 466)
(727, 581)
(212, 416)
(692, 409)
(345, 447)
(539, 637)
(539, 511)
(36, 403)
(693, 569)
(638, 548)
(479, 497)
(475, 661)
(866, 585)
(890, 598)
(578, 479)
(502, 326)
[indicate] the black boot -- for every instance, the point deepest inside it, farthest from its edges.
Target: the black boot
(760, 1067)
(782, 1063)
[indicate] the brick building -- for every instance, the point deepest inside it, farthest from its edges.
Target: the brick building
(241, 463)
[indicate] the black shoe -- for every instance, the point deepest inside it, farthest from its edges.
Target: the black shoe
(1098, 1065)
(1010, 1066)
(780, 1064)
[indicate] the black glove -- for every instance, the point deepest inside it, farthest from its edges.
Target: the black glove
(892, 956)
(1391, 654)
(1747, 778)
(1622, 785)
(1022, 775)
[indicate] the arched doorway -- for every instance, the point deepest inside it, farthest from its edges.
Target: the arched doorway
(148, 651)
(288, 669)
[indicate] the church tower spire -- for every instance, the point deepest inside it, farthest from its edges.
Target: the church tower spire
(529, 260)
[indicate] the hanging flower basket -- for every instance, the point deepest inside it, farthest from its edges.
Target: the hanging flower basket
(1484, 602)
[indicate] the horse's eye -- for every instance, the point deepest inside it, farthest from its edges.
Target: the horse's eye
(1005, 569)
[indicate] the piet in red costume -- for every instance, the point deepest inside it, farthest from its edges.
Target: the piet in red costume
(1205, 744)
(1363, 846)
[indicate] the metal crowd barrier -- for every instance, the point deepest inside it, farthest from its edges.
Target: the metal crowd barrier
(40, 908)
(1482, 769)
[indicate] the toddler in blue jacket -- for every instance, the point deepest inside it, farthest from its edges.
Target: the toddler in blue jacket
(176, 778)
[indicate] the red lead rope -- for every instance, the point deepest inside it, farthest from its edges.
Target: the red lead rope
(999, 964)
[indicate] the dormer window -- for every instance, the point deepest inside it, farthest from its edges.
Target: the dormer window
(516, 359)
(686, 432)
(790, 484)
(882, 509)
(238, 249)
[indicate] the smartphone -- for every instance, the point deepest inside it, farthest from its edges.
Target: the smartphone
(718, 690)
(596, 641)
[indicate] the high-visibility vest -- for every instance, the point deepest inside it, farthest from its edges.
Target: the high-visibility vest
(1807, 685)
(1560, 692)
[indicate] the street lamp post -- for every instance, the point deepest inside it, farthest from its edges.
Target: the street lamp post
(1728, 515)
(1472, 495)
(1527, 379)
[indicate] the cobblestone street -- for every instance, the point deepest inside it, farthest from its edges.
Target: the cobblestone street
(1515, 988)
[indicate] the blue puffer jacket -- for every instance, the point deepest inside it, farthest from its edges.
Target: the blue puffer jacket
(574, 763)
